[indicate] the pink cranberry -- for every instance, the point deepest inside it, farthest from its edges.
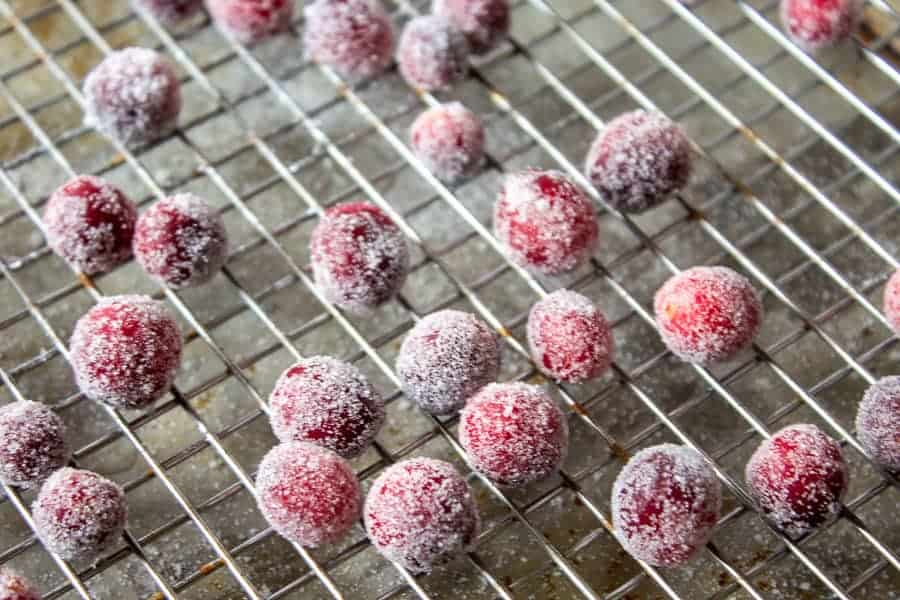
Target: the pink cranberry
(545, 222)
(432, 54)
(133, 96)
(32, 443)
(252, 20)
(665, 503)
(815, 24)
(15, 587)
(171, 11)
(420, 513)
(707, 314)
(354, 37)
(79, 514)
(878, 422)
(892, 301)
(449, 140)
(484, 22)
(126, 351)
(570, 339)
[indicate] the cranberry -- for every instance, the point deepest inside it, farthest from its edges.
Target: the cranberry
(892, 301)
(432, 54)
(449, 140)
(484, 22)
(15, 587)
(878, 422)
(354, 37)
(252, 20)
(815, 24)
(32, 443)
(171, 11)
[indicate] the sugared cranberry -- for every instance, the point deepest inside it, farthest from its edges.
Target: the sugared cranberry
(665, 503)
(170, 11)
(126, 351)
(133, 96)
(420, 513)
(798, 478)
(252, 20)
(545, 222)
(638, 160)
(513, 433)
(449, 139)
(181, 241)
(432, 54)
(878, 422)
(448, 356)
(15, 587)
(79, 514)
(32, 443)
(707, 314)
(308, 494)
(570, 339)
(815, 24)
(354, 37)
(892, 301)
(484, 22)
(359, 256)
(327, 402)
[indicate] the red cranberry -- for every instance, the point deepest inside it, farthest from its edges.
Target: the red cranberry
(570, 339)
(815, 24)
(892, 301)
(126, 351)
(447, 357)
(707, 314)
(308, 494)
(15, 587)
(79, 514)
(133, 96)
(359, 256)
(665, 503)
(484, 22)
(252, 20)
(420, 513)
(878, 422)
(354, 37)
(171, 11)
(32, 443)
(449, 140)
(432, 54)
(798, 478)
(545, 222)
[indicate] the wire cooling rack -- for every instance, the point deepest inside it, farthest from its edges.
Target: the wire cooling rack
(795, 187)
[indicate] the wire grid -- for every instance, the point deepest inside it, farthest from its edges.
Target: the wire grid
(528, 136)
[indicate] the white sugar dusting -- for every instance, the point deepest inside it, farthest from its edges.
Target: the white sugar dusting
(432, 53)
(32, 443)
(449, 140)
(355, 37)
(484, 22)
(252, 20)
(878, 422)
(14, 586)
(814, 24)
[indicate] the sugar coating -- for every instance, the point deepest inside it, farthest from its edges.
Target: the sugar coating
(14, 586)
(878, 422)
(181, 240)
(32, 443)
(638, 160)
(354, 37)
(484, 22)
(308, 494)
(447, 357)
(252, 20)
(449, 140)
(327, 402)
(514, 433)
(420, 513)
(798, 477)
(126, 351)
(432, 54)
(892, 301)
(133, 96)
(665, 503)
(545, 222)
(707, 315)
(170, 11)
(359, 256)
(569, 337)
(79, 514)
(816, 24)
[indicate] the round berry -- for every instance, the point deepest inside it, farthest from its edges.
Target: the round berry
(665, 503)
(354, 37)
(15, 587)
(181, 241)
(252, 20)
(892, 301)
(126, 351)
(570, 339)
(878, 422)
(447, 357)
(484, 22)
(432, 54)
(798, 478)
(545, 221)
(359, 256)
(420, 513)
(327, 402)
(79, 514)
(638, 160)
(449, 140)
(308, 494)
(133, 96)
(32, 443)
(170, 11)
(707, 314)
(815, 24)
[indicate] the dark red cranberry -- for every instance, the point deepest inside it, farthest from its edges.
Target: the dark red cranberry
(815, 24)
(432, 54)
(354, 37)
(892, 301)
(252, 20)
(15, 587)
(32, 443)
(484, 22)
(878, 422)
(171, 11)
(449, 140)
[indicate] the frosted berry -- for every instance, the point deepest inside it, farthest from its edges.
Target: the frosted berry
(878, 422)
(133, 96)
(484, 22)
(170, 11)
(354, 37)
(252, 20)
(327, 402)
(90, 224)
(545, 221)
(432, 54)
(181, 241)
(665, 503)
(815, 24)
(638, 160)
(308, 494)
(570, 339)
(449, 140)
(359, 256)
(892, 301)
(447, 357)
(798, 477)
(513, 433)
(79, 514)
(707, 314)
(126, 351)
(32, 443)
(15, 587)
(420, 513)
